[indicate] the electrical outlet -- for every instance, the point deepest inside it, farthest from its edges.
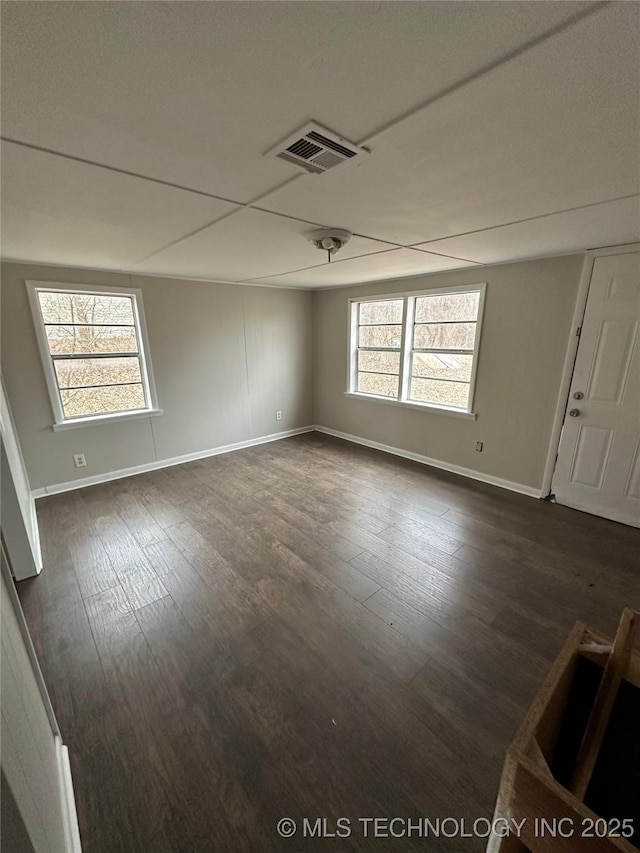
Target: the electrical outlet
(479, 446)
(79, 460)
(278, 416)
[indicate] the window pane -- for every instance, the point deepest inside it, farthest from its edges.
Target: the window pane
(85, 308)
(447, 307)
(386, 311)
(97, 371)
(379, 362)
(89, 339)
(441, 393)
(97, 401)
(380, 336)
(375, 383)
(448, 336)
(442, 365)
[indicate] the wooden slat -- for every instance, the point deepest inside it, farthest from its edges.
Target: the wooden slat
(535, 798)
(613, 674)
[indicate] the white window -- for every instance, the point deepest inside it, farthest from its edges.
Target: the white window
(95, 353)
(418, 349)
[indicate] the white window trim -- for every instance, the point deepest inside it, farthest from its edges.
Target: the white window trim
(59, 420)
(409, 298)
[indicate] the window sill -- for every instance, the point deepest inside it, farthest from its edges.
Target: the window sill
(116, 418)
(421, 407)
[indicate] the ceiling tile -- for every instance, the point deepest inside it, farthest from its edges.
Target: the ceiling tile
(247, 245)
(555, 128)
(605, 224)
(58, 211)
(394, 263)
(194, 93)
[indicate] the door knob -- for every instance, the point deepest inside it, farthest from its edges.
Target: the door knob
(578, 395)
(573, 413)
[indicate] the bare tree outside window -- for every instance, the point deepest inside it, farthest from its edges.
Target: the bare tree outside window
(93, 342)
(435, 355)
(444, 334)
(379, 338)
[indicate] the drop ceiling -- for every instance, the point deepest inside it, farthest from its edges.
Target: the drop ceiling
(134, 135)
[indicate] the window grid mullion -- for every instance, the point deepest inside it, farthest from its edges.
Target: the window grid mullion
(444, 322)
(92, 325)
(436, 351)
(71, 355)
(376, 325)
(441, 379)
(100, 385)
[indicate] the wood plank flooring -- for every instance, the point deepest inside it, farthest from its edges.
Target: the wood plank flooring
(304, 628)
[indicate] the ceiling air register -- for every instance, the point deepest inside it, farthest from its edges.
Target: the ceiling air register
(316, 149)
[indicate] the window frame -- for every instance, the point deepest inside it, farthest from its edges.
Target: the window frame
(406, 348)
(60, 421)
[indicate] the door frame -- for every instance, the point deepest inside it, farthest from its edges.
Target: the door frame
(572, 351)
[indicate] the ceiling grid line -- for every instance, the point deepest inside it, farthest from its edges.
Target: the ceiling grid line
(253, 204)
(363, 143)
(314, 266)
(371, 254)
(526, 219)
(75, 158)
(247, 238)
(477, 75)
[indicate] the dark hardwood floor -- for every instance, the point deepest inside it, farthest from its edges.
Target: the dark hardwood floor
(304, 628)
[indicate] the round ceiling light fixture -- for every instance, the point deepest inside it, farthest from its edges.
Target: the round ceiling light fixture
(330, 240)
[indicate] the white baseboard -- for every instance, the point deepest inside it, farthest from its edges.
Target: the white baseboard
(164, 463)
(435, 463)
(67, 799)
(228, 448)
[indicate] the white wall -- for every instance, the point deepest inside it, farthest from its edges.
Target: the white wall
(225, 358)
(19, 522)
(526, 330)
(34, 761)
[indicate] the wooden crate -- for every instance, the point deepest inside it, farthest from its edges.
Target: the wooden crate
(532, 787)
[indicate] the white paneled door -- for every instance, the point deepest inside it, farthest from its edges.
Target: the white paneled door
(598, 465)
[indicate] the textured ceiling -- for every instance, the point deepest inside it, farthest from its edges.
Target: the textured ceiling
(134, 135)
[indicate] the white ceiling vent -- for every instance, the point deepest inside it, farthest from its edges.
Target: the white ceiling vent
(315, 149)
